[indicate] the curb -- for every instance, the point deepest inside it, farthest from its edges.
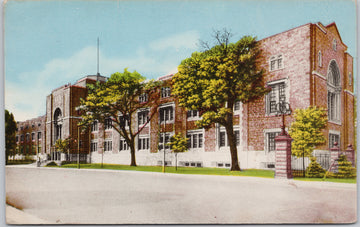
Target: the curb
(18, 217)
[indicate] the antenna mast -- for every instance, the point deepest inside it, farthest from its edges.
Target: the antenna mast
(98, 56)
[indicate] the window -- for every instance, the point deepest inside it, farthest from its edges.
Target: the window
(192, 114)
(124, 121)
(320, 58)
(165, 92)
(39, 135)
(143, 117)
(27, 137)
(93, 146)
(144, 143)
(164, 139)
(94, 126)
(334, 45)
(223, 141)
(108, 123)
(166, 113)
(22, 138)
(350, 79)
(334, 90)
(195, 140)
(143, 98)
(237, 106)
(270, 137)
(123, 145)
(17, 138)
(334, 138)
(107, 145)
(276, 62)
(276, 95)
(33, 136)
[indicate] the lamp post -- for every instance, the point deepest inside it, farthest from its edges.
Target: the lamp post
(164, 135)
(283, 108)
(78, 147)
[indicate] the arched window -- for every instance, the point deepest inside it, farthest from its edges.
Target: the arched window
(320, 58)
(57, 124)
(334, 89)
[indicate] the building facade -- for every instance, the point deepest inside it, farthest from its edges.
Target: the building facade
(305, 66)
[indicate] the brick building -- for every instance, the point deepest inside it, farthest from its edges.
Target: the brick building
(305, 66)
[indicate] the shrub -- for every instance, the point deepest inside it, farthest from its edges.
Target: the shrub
(314, 170)
(345, 168)
(51, 164)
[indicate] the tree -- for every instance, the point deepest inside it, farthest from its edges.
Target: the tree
(213, 80)
(345, 168)
(10, 134)
(314, 170)
(306, 131)
(119, 99)
(178, 144)
(63, 145)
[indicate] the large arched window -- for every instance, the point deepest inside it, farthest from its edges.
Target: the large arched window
(57, 124)
(334, 89)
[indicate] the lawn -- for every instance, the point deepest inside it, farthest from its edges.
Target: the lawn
(201, 171)
(19, 162)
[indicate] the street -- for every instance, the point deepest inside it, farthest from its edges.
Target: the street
(72, 196)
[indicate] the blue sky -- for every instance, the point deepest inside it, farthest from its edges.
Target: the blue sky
(51, 43)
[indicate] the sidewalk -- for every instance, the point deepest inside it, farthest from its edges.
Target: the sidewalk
(18, 217)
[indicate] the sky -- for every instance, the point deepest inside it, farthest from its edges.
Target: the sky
(49, 43)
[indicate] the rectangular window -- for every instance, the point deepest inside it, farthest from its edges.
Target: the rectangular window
(27, 137)
(108, 145)
(123, 145)
(271, 140)
(124, 121)
(237, 137)
(165, 92)
(93, 146)
(275, 96)
(334, 138)
(237, 106)
(164, 140)
(222, 139)
(22, 138)
(17, 138)
(333, 106)
(108, 123)
(39, 135)
(144, 143)
(195, 140)
(33, 136)
(192, 114)
(143, 98)
(143, 117)
(166, 114)
(276, 62)
(94, 126)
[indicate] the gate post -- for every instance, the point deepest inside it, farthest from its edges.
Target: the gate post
(283, 156)
(350, 154)
(334, 155)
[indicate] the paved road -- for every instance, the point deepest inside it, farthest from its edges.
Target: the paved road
(71, 196)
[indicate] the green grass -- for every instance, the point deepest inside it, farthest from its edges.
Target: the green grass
(180, 170)
(19, 162)
(201, 171)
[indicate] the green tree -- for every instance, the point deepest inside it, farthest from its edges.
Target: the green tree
(178, 144)
(10, 134)
(212, 81)
(118, 99)
(345, 168)
(63, 145)
(314, 170)
(306, 131)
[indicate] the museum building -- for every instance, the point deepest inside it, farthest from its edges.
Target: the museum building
(305, 66)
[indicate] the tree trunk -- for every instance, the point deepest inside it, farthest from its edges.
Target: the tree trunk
(303, 163)
(132, 151)
(232, 143)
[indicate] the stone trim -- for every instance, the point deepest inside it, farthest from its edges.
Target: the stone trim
(349, 92)
(319, 75)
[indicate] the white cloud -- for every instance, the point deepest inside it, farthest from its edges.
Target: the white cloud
(26, 98)
(187, 39)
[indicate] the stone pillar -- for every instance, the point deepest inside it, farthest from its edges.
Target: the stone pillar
(350, 154)
(283, 156)
(334, 155)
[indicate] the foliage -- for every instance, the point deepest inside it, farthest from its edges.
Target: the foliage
(51, 164)
(10, 135)
(63, 145)
(314, 170)
(118, 99)
(178, 143)
(306, 130)
(345, 168)
(213, 80)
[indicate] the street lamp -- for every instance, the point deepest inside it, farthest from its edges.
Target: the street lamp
(283, 108)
